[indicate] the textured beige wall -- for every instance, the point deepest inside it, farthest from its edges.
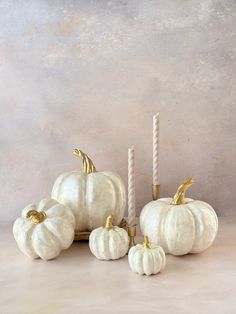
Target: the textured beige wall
(90, 74)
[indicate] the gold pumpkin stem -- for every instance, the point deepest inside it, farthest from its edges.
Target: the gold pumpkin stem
(147, 243)
(36, 217)
(108, 224)
(88, 165)
(178, 199)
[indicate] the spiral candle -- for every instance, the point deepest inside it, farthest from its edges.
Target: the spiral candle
(131, 187)
(155, 175)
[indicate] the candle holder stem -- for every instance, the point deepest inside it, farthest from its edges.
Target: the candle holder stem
(155, 191)
(131, 233)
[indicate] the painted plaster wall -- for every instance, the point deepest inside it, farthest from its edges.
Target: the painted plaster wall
(90, 74)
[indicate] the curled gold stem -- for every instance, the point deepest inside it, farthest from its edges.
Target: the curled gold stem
(178, 199)
(146, 243)
(36, 217)
(88, 165)
(108, 224)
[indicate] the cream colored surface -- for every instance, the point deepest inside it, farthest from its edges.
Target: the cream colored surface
(179, 229)
(109, 244)
(49, 237)
(92, 197)
(77, 282)
(91, 74)
(146, 261)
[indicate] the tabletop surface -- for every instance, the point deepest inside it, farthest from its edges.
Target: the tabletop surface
(76, 282)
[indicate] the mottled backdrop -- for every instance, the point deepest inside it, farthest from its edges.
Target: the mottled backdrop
(90, 74)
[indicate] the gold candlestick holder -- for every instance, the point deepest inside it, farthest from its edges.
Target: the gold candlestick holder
(155, 192)
(131, 233)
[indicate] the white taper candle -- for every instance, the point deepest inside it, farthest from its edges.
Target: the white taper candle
(155, 158)
(131, 187)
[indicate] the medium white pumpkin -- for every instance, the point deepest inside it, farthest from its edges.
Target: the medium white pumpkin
(91, 195)
(146, 259)
(180, 225)
(109, 242)
(44, 230)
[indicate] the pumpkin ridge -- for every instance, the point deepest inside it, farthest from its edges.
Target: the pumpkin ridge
(113, 243)
(138, 262)
(53, 238)
(107, 175)
(25, 235)
(124, 238)
(95, 240)
(86, 202)
(57, 212)
(209, 208)
(163, 241)
(46, 204)
(49, 223)
(53, 208)
(147, 267)
(104, 252)
(188, 206)
(83, 200)
(57, 189)
(185, 208)
(163, 255)
(201, 220)
(156, 258)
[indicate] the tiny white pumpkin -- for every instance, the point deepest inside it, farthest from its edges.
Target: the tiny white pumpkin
(146, 259)
(91, 195)
(44, 230)
(109, 242)
(180, 225)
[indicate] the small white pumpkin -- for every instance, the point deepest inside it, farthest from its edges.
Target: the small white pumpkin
(44, 230)
(109, 242)
(91, 195)
(146, 259)
(180, 225)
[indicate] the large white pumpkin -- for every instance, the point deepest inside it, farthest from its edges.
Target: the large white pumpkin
(45, 229)
(91, 195)
(146, 259)
(180, 225)
(109, 242)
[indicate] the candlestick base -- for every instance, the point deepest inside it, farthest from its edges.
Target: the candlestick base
(156, 192)
(131, 233)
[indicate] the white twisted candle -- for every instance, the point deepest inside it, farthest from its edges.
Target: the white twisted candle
(155, 159)
(131, 187)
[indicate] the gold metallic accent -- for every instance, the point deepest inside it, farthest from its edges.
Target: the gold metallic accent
(131, 234)
(84, 235)
(108, 224)
(36, 217)
(178, 199)
(146, 243)
(88, 165)
(155, 192)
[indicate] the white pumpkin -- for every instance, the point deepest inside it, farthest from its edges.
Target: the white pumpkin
(180, 225)
(146, 259)
(109, 242)
(44, 230)
(91, 195)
